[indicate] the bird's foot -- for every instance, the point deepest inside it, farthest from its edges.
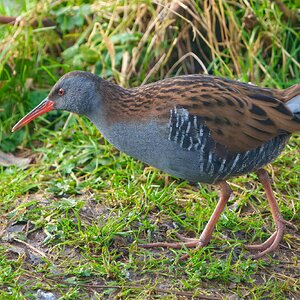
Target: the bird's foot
(225, 192)
(185, 242)
(271, 243)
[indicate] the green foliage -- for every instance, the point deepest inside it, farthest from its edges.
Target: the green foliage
(69, 17)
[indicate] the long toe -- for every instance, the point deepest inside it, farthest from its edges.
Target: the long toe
(271, 244)
(263, 246)
(186, 239)
(186, 243)
(175, 245)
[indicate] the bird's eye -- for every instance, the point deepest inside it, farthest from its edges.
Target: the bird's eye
(61, 92)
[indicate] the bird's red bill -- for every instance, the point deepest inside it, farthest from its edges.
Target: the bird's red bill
(45, 106)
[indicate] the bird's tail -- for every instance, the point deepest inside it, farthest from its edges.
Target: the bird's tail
(291, 92)
(292, 99)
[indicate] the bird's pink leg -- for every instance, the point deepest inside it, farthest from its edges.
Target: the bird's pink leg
(225, 192)
(273, 241)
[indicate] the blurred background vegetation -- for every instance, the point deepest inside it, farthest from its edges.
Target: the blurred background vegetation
(137, 42)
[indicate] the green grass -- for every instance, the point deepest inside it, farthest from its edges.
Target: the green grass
(71, 222)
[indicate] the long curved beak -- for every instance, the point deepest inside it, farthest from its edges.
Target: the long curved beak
(45, 106)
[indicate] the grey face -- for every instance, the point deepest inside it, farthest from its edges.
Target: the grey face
(76, 92)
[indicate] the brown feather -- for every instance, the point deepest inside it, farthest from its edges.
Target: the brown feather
(240, 116)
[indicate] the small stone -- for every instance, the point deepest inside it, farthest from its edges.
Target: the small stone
(41, 295)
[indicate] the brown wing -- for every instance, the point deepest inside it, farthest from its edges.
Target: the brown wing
(242, 122)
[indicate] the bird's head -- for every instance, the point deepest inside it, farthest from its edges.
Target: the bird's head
(77, 92)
